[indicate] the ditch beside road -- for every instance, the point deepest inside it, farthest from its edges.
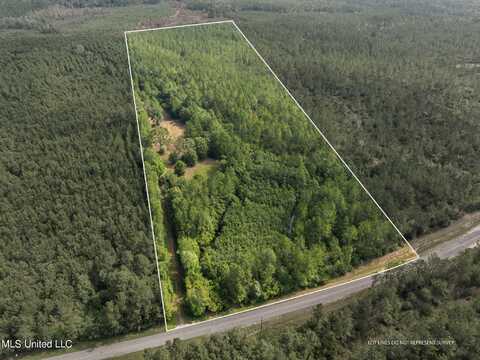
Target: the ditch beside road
(453, 246)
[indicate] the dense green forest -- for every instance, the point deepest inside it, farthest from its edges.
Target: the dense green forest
(43, 15)
(76, 253)
(393, 84)
(434, 301)
(14, 8)
(278, 212)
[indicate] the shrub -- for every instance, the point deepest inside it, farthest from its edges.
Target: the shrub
(180, 168)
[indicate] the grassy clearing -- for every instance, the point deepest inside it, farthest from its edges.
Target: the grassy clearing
(202, 168)
(176, 132)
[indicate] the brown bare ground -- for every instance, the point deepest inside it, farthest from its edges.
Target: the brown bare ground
(175, 129)
(181, 16)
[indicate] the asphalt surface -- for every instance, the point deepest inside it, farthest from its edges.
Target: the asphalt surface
(456, 246)
(246, 318)
(255, 316)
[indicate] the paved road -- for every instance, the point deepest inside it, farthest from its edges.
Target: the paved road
(445, 250)
(222, 324)
(456, 246)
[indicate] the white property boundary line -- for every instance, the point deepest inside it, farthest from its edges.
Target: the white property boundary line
(326, 140)
(307, 293)
(316, 128)
(146, 184)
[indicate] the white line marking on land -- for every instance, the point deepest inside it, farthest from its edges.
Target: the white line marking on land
(325, 138)
(417, 257)
(298, 296)
(146, 185)
(181, 26)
